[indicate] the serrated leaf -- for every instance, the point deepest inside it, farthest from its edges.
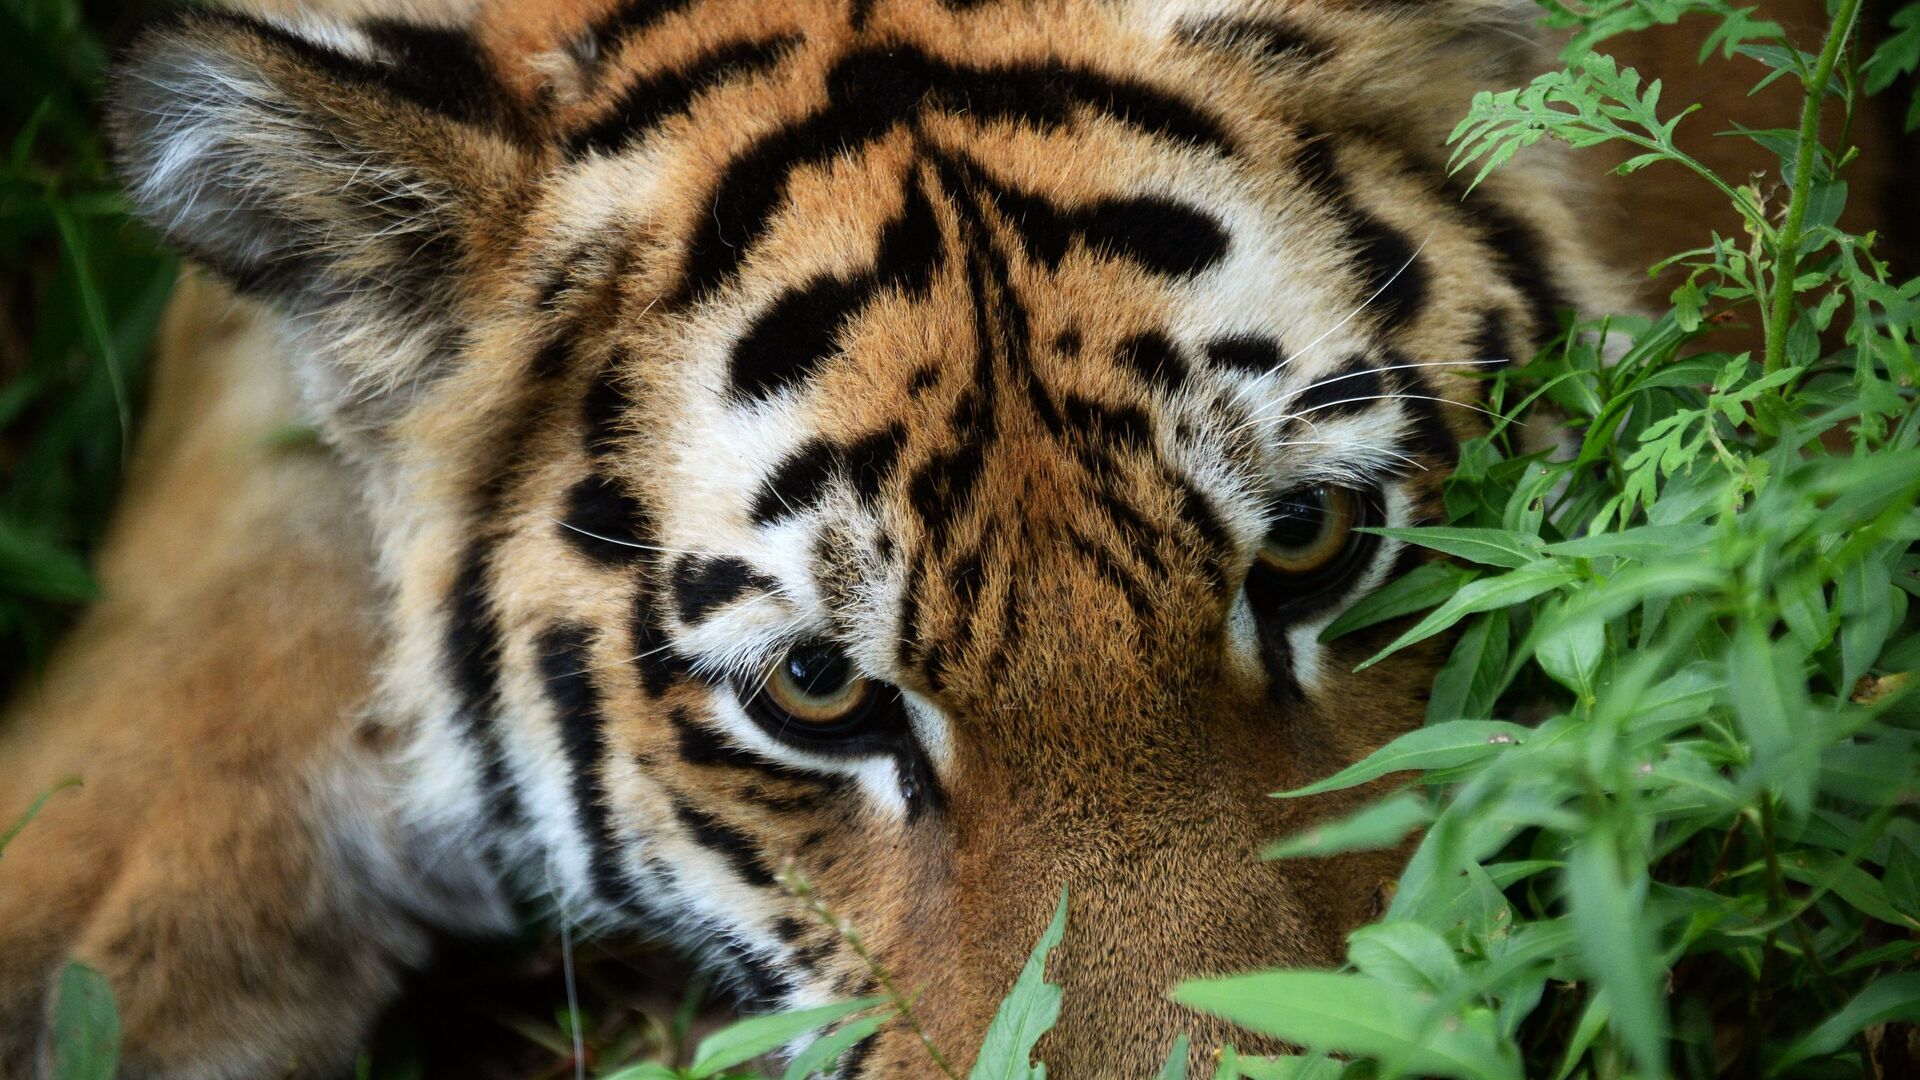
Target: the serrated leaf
(745, 1040)
(1357, 1015)
(1029, 1011)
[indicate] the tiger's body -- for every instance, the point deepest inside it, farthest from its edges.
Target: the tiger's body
(876, 441)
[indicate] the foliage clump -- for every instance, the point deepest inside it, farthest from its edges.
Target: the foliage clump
(1706, 861)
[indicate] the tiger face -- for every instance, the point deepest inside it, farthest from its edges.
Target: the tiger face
(901, 452)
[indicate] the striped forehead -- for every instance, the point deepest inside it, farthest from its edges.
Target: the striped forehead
(838, 225)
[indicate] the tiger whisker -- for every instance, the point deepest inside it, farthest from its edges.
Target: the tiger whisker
(1330, 380)
(1350, 316)
(634, 544)
(1285, 417)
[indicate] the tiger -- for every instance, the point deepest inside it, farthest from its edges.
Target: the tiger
(891, 457)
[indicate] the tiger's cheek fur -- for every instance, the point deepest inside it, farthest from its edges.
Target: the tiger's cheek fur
(976, 339)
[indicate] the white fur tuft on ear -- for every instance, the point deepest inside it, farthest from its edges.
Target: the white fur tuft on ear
(340, 171)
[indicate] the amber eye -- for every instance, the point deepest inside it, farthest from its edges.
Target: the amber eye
(1310, 529)
(816, 685)
(1312, 550)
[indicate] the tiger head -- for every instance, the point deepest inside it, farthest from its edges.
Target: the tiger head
(896, 458)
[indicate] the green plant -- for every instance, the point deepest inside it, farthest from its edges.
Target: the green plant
(84, 289)
(1706, 862)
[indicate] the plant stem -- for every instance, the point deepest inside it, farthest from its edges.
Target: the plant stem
(1786, 269)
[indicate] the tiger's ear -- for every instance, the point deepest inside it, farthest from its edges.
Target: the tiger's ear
(351, 174)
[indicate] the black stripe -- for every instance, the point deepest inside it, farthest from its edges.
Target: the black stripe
(653, 99)
(909, 253)
(1116, 572)
(858, 12)
(702, 585)
(633, 17)
(700, 744)
(1155, 359)
(1272, 38)
(1251, 353)
(566, 657)
(870, 460)
(603, 407)
(1388, 262)
(438, 69)
(1123, 424)
(1519, 248)
(604, 522)
(856, 1056)
(761, 985)
(1164, 236)
(1199, 514)
(798, 482)
(551, 359)
(1354, 387)
(660, 666)
(1141, 538)
(799, 332)
(1493, 340)
(872, 91)
(473, 656)
(1431, 435)
(736, 847)
(801, 329)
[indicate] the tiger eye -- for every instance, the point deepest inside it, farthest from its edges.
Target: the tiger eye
(815, 683)
(1310, 529)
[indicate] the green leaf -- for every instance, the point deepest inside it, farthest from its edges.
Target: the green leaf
(1644, 543)
(824, 1053)
(647, 1070)
(1865, 595)
(1372, 827)
(1416, 590)
(1442, 746)
(1493, 547)
(1029, 1011)
(86, 1026)
(1405, 954)
(33, 567)
(1822, 869)
(1612, 931)
(33, 811)
(1176, 1066)
(1354, 1014)
(741, 1042)
(1891, 999)
(1486, 594)
(1474, 675)
(1572, 652)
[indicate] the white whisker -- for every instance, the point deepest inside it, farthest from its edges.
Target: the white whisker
(1384, 286)
(633, 544)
